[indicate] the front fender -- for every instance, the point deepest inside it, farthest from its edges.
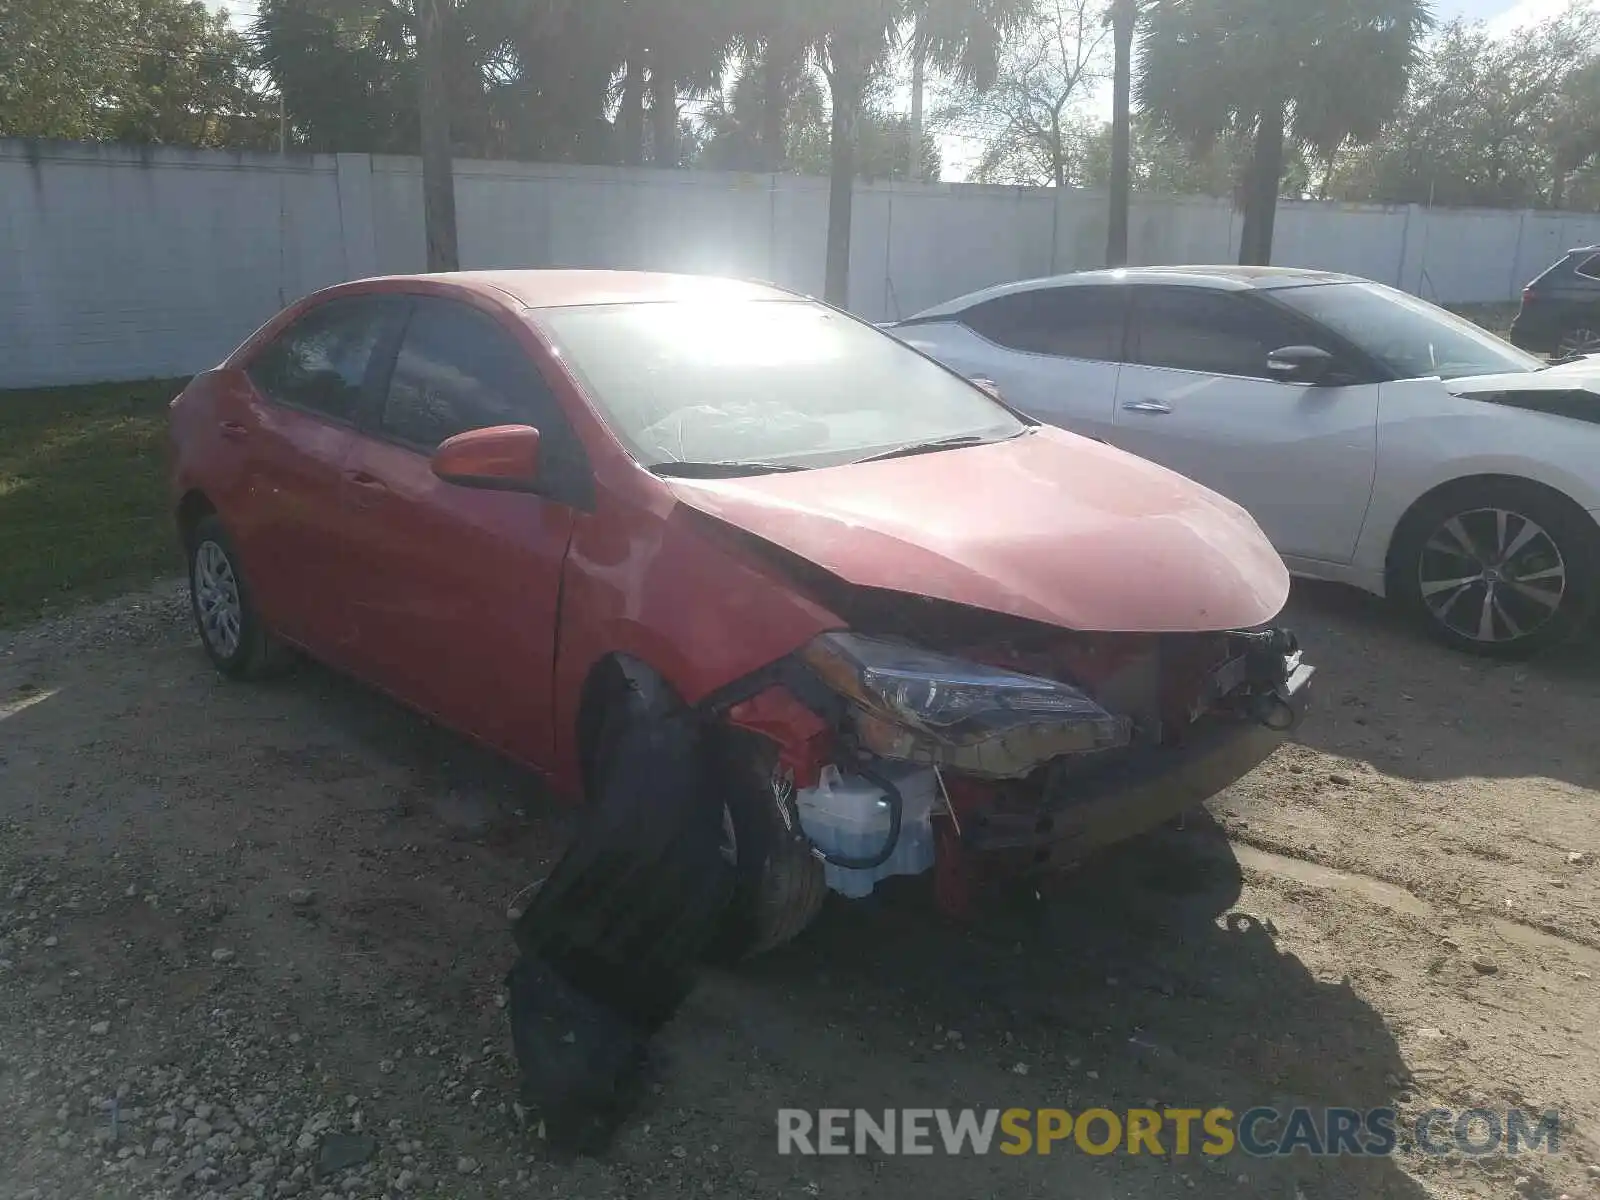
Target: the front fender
(676, 592)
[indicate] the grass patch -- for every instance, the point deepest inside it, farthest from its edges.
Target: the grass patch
(83, 494)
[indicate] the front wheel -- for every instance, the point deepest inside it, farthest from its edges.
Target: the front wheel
(778, 887)
(1503, 568)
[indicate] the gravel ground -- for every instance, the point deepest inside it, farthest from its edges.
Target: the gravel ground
(252, 940)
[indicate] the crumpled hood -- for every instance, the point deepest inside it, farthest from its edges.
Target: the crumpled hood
(1047, 526)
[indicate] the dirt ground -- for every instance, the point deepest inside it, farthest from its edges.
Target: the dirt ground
(236, 920)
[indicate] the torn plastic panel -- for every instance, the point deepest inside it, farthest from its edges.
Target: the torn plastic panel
(611, 944)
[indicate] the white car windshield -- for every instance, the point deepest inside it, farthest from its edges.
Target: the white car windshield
(1411, 337)
(775, 383)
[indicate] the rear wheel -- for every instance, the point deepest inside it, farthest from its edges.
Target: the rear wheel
(1502, 568)
(1583, 338)
(230, 628)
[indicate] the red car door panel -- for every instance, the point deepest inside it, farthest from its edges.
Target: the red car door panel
(455, 611)
(454, 590)
(292, 425)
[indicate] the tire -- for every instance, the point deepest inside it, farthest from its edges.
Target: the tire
(230, 628)
(778, 886)
(1583, 338)
(1475, 597)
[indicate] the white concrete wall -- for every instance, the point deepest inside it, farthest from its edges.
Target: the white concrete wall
(121, 262)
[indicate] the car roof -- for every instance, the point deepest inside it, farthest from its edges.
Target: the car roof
(563, 288)
(1220, 278)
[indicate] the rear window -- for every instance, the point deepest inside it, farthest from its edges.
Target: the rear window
(1589, 267)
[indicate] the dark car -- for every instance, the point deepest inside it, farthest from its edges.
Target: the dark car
(1560, 312)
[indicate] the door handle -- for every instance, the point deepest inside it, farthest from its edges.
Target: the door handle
(233, 431)
(370, 482)
(1147, 406)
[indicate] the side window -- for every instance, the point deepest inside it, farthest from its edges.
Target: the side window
(1214, 332)
(1589, 268)
(1065, 322)
(320, 362)
(457, 370)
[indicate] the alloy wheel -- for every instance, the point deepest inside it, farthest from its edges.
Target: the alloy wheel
(216, 598)
(1582, 340)
(1492, 575)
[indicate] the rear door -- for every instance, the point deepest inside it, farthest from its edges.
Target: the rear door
(1054, 351)
(456, 591)
(293, 428)
(1195, 397)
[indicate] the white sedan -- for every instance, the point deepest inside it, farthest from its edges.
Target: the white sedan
(1377, 439)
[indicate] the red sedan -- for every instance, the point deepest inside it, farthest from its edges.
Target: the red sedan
(538, 504)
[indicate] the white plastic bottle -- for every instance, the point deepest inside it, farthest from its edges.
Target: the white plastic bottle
(850, 816)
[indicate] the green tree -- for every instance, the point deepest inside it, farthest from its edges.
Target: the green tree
(1489, 121)
(1034, 131)
(347, 72)
(129, 70)
(733, 129)
(1162, 165)
(728, 135)
(962, 38)
(560, 81)
(1314, 73)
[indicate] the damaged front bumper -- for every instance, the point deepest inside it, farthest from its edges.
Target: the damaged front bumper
(1022, 766)
(1137, 793)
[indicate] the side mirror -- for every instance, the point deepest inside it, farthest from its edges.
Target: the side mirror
(501, 458)
(1300, 364)
(988, 385)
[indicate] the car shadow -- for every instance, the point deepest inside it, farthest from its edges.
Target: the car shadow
(1388, 695)
(1137, 982)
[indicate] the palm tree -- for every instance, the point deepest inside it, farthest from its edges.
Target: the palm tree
(858, 39)
(1124, 16)
(1318, 73)
(688, 44)
(961, 37)
(735, 127)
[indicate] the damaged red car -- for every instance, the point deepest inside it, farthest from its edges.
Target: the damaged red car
(930, 634)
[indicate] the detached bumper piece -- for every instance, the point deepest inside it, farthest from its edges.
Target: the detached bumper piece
(610, 944)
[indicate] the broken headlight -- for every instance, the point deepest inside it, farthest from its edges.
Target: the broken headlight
(916, 705)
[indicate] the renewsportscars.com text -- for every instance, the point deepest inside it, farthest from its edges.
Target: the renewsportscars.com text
(1259, 1132)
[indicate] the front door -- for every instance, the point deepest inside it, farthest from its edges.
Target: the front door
(1194, 397)
(456, 600)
